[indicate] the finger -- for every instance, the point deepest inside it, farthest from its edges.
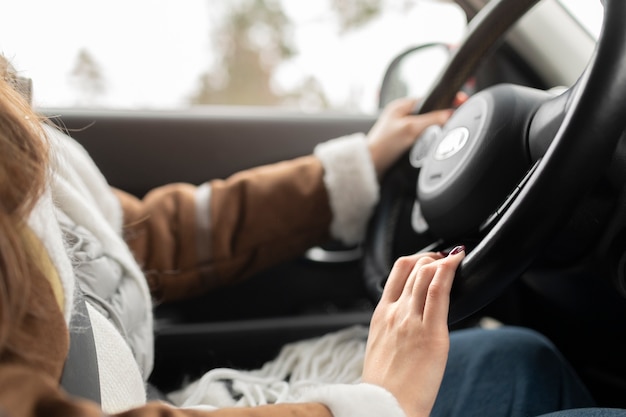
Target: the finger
(460, 98)
(424, 276)
(399, 275)
(437, 303)
(422, 121)
(402, 106)
(416, 278)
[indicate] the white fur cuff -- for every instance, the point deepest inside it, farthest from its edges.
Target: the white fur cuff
(363, 400)
(350, 179)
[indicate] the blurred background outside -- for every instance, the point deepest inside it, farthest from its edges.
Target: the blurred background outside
(170, 54)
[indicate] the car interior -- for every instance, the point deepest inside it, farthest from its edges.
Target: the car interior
(544, 221)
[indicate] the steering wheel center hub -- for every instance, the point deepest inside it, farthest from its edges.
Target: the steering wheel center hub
(477, 161)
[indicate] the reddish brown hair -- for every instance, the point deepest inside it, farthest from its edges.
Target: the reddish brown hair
(23, 166)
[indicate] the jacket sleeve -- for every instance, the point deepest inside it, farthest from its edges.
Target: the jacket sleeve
(190, 239)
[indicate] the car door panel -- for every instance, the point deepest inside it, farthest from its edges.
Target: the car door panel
(137, 151)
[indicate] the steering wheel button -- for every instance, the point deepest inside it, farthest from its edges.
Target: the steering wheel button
(423, 145)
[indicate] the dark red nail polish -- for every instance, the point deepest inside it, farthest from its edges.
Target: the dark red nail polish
(457, 249)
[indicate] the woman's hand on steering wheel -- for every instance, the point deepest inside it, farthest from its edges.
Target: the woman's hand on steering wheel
(408, 343)
(397, 130)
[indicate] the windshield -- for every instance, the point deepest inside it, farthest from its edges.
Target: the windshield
(168, 54)
(589, 13)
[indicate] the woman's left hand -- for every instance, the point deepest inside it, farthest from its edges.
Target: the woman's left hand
(396, 131)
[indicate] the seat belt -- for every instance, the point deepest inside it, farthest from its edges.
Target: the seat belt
(80, 373)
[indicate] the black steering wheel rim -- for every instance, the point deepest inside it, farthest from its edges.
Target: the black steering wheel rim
(510, 246)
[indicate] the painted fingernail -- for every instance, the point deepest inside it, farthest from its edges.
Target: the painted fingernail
(457, 249)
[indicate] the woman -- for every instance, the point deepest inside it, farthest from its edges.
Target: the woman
(66, 237)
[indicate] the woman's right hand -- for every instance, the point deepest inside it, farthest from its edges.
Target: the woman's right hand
(408, 343)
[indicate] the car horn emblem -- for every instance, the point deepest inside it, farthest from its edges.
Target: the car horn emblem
(452, 143)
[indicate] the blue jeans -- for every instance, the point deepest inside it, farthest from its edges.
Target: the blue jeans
(512, 372)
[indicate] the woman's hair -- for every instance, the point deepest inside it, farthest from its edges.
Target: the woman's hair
(23, 168)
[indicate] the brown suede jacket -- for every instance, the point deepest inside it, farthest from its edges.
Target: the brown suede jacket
(265, 215)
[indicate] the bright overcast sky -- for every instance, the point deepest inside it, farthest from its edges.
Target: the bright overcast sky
(140, 44)
(152, 51)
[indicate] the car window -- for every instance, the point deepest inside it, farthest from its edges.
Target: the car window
(588, 13)
(167, 54)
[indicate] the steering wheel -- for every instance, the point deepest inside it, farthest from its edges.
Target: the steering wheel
(506, 170)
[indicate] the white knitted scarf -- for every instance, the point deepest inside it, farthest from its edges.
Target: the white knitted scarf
(335, 358)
